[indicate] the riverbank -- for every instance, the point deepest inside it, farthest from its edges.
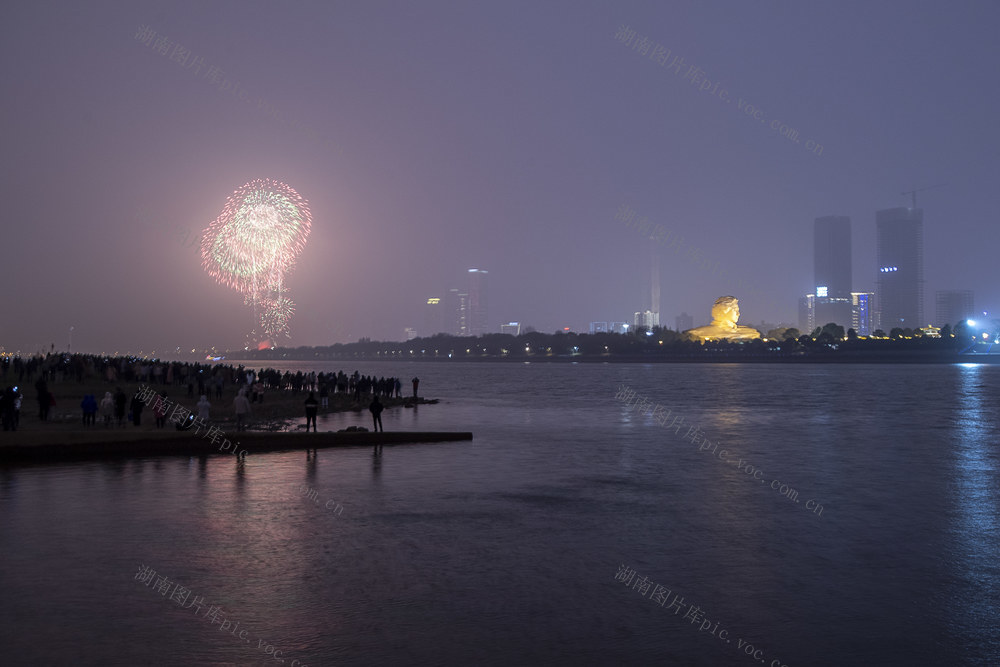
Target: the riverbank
(276, 423)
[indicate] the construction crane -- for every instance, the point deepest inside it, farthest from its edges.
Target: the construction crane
(913, 193)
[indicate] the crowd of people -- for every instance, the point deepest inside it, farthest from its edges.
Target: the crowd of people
(201, 379)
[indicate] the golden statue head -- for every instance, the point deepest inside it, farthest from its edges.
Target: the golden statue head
(726, 312)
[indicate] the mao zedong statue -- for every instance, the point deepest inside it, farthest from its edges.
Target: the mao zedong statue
(725, 313)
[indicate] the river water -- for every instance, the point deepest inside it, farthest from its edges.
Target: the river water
(853, 520)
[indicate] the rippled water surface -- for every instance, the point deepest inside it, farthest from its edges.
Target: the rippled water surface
(877, 544)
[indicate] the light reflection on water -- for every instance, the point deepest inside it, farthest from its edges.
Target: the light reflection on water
(975, 498)
(503, 550)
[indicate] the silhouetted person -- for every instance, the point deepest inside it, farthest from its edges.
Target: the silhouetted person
(416, 382)
(43, 398)
(311, 406)
(120, 400)
(242, 407)
(89, 408)
(7, 409)
(136, 405)
(203, 407)
(160, 410)
(17, 408)
(376, 409)
(107, 408)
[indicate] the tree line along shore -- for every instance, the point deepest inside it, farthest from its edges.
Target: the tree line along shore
(829, 343)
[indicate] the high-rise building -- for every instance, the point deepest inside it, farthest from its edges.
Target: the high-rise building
(807, 313)
(619, 327)
(456, 312)
(953, 306)
(598, 327)
(478, 320)
(683, 322)
(647, 319)
(832, 256)
(433, 317)
(900, 255)
(410, 333)
(832, 270)
(862, 313)
(512, 328)
(654, 279)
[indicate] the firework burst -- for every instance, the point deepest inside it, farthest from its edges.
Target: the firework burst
(253, 245)
(275, 316)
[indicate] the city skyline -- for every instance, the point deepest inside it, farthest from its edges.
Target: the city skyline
(421, 157)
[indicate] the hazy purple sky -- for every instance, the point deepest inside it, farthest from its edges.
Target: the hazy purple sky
(437, 136)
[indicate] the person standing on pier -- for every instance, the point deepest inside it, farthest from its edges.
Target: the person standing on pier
(242, 407)
(7, 409)
(135, 406)
(311, 406)
(43, 398)
(416, 381)
(203, 407)
(120, 402)
(160, 410)
(107, 408)
(376, 409)
(89, 408)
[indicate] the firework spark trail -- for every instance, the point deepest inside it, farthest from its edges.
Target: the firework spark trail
(254, 243)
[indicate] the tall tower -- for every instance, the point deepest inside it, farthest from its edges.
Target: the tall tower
(478, 321)
(457, 313)
(900, 253)
(832, 270)
(654, 277)
(807, 313)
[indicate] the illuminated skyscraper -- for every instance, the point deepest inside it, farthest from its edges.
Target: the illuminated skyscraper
(807, 313)
(862, 313)
(900, 255)
(478, 319)
(456, 311)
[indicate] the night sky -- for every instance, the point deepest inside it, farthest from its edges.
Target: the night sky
(433, 137)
